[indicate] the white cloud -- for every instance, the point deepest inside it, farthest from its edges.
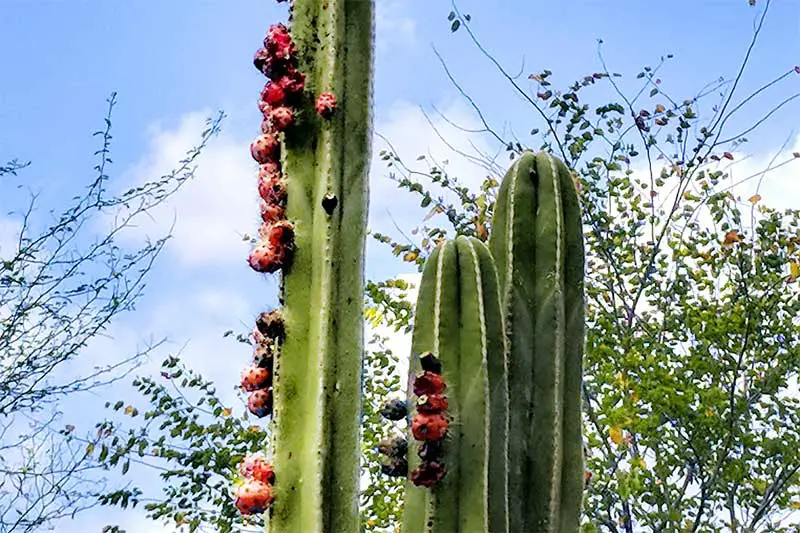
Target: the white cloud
(212, 211)
(393, 25)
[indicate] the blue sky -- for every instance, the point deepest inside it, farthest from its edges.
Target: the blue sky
(174, 63)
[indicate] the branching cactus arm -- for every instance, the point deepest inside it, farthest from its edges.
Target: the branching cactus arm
(458, 480)
(537, 243)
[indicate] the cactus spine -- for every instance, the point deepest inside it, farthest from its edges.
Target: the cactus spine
(537, 243)
(508, 328)
(458, 319)
(317, 385)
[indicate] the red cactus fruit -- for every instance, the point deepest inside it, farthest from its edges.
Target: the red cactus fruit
(255, 378)
(431, 403)
(260, 59)
(271, 169)
(272, 189)
(428, 426)
(266, 258)
(265, 148)
(292, 81)
(260, 402)
(427, 474)
(281, 117)
(278, 42)
(273, 94)
(271, 213)
(326, 105)
(253, 497)
(428, 383)
(255, 466)
(281, 234)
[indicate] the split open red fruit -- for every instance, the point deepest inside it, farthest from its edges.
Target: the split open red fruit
(253, 497)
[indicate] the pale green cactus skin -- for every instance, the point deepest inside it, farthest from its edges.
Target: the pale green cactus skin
(317, 387)
(537, 244)
(458, 318)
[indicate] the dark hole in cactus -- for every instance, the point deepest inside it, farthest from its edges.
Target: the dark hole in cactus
(329, 203)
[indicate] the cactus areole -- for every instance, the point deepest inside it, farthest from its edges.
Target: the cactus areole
(314, 189)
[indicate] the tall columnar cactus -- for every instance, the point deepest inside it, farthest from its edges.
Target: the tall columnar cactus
(314, 156)
(459, 351)
(537, 244)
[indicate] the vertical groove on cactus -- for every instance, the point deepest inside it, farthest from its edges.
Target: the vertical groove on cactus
(317, 389)
(458, 318)
(537, 243)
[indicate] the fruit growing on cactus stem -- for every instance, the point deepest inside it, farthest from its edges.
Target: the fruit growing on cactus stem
(281, 118)
(265, 148)
(255, 466)
(428, 426)
(255, 378)
(253, 497)
(260, 402)
(428, 383)
(326, 105)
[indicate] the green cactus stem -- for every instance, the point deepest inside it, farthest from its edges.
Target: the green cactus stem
(458, 318)
(537, 244)
(317, 389)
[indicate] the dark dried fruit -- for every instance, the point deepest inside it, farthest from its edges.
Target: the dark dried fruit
(431, 450)
(428, 474)
(431, 403)
(271, 324)
(394, 447)
(394, 410)
(428, 383)
(395, 468)
(430, 363)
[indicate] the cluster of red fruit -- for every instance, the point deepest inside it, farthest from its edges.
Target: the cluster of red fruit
(257, 378)
(254, 495)
(280, 99)
(278, 61)
(429, 424)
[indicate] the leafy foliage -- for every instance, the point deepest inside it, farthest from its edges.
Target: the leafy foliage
(61, 285)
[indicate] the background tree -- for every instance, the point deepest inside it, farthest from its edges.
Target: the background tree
(692, 297)
(61, 286)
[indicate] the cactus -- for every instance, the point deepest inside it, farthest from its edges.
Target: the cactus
(536, 241)
(314, 157)
(459, 333)
(507, 328)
